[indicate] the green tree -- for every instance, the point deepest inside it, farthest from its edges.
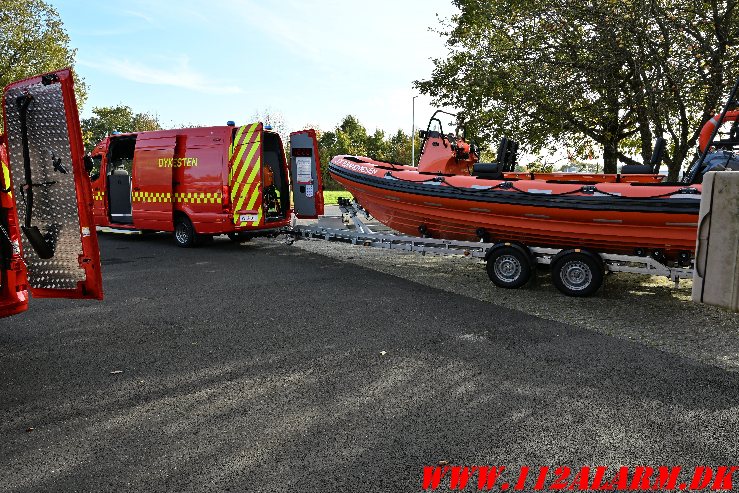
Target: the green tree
(378, 147)
(539, 167)
(33, 41)
(684, 61)
(400, 148)
(614, 73)
(351, 137)
(115, 118)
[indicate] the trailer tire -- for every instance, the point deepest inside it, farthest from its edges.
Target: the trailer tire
(184, 232)
(509, 266)
(577, 273)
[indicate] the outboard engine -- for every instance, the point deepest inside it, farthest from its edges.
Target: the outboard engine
(720, 160)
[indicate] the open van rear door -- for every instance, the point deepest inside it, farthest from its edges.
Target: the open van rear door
(305, 174)
(51, 190)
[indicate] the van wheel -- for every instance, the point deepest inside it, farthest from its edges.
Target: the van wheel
(577, 273)
(184, 232)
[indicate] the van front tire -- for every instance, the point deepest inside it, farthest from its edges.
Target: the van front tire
(184, 232)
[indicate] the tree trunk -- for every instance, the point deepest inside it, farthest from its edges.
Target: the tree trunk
(646, 141)
(679, 161)
(610, 157)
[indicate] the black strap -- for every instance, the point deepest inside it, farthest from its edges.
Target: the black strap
(23, 102)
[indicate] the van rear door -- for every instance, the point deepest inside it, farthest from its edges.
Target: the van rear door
(245, 175)
(305, 174)
(52, 189)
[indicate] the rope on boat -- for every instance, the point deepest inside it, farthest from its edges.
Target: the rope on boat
(680, 191)
(585, 189)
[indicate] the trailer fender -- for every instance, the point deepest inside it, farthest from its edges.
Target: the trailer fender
(593, 255)
(518, 246)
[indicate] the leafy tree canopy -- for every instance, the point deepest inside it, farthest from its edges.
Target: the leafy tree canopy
(351, 137)
(108, 119)
(614, 73)
(33, 41)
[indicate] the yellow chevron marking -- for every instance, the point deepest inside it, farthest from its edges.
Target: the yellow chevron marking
(249, 157)
(232, 149)
(6, 178)
(253, 199)
(245, 191)
(259, 218)
(235, 142)
(237, 166)
(238, 181)
(252, 127)
(233, 155)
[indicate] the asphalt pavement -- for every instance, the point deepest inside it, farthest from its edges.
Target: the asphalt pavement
(262, 367)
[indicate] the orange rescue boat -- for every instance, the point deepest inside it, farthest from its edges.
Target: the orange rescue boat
(450, 195)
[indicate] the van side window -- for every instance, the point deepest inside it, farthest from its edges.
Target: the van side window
(95, 171)
(120, 155)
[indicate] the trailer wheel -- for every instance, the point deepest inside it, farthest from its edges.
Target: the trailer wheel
(184, 232)
(509, 267)
(576, 273)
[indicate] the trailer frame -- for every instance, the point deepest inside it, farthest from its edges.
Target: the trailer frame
(364, 235)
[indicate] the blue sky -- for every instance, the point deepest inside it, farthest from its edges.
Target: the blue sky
(206, 62)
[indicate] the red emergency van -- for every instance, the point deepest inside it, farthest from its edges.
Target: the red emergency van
(48, 246)
(201, 182)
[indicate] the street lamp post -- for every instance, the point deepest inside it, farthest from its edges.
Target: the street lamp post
(413, 134)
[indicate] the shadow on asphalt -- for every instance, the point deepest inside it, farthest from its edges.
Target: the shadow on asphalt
(258, 367)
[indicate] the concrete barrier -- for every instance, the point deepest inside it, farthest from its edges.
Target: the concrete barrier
(716, 278)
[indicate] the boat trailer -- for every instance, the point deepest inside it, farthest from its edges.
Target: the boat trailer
(575, 272)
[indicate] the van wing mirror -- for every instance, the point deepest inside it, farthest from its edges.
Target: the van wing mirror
(89, 164)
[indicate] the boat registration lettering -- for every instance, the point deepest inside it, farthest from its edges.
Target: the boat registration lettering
(356, 167)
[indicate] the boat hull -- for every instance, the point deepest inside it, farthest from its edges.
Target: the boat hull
(616, 217)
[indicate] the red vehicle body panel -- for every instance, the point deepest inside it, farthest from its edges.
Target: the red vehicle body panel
(55, 114)
(13, 281)
(213, 175)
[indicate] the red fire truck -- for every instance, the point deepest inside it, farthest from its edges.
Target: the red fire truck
(201, 182)
(52, 251)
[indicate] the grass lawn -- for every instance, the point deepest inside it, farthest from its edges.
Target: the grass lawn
(331, 197)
